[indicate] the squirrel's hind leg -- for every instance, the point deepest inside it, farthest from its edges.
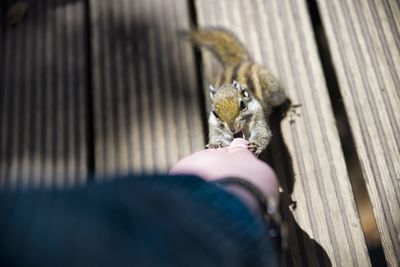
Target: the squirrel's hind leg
(274, 94)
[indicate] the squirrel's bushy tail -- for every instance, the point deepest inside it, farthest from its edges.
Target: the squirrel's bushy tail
(224, 44)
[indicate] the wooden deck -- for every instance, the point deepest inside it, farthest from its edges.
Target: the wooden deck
(98, 87)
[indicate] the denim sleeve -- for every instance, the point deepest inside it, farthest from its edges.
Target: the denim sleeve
(132, 221)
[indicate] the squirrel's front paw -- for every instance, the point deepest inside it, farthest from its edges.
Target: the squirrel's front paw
(254, 148)
(210, 146)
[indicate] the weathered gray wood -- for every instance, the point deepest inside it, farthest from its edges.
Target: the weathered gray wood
(279, 35)
(43, 99)
(147, 111)
(364, 40)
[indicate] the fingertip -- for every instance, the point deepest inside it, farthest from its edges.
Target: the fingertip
(239, 142)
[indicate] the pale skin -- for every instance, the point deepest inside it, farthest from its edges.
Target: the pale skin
(234, 160)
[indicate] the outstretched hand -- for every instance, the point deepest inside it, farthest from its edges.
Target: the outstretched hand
(234, 160)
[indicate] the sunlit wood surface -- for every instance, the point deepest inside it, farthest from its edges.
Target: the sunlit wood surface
(93, 88)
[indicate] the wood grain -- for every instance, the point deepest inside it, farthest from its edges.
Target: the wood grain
(279, 35)
(364, 40)
(147, 111)
(42, 97)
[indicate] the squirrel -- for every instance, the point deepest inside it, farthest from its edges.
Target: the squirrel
(242, 96)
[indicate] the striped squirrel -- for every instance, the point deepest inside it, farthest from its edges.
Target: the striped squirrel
(243, 95)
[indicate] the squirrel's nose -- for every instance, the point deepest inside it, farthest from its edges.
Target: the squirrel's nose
(233, 129)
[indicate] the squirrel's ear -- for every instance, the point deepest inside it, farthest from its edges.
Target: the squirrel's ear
(236, 85)
(212, 91)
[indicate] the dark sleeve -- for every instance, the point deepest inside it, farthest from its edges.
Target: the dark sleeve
(132, 221)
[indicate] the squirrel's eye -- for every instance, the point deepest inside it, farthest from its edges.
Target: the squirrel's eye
(215, 114)
(242, 105)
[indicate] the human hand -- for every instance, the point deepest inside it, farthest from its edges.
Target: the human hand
(234, 160)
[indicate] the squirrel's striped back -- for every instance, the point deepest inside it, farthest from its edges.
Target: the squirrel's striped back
(239, 66)
(246, 73)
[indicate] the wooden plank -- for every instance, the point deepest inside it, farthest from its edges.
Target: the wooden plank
(364, 40)
(43, 100)
(279, 35)
(2, 15)
(145, 92)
